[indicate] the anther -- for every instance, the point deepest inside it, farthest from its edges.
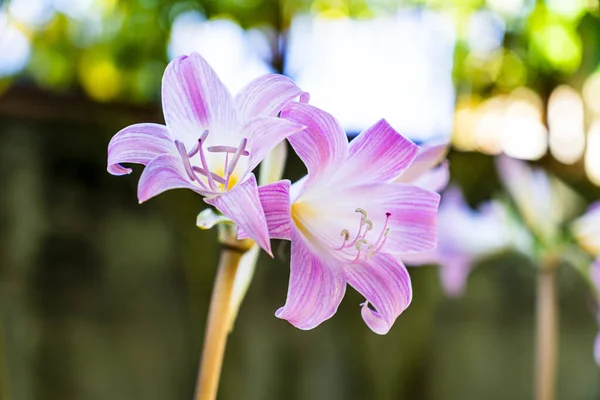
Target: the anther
(359, 243)
(363, 212)
(345, 233)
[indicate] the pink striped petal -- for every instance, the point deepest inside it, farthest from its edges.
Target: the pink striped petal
(195, 99)
(435, 179)
(427, 158)
(163, 173)
(379, 154)
(385, 283)
(138, 144)
(413, 219)
(323, 146)
(275, 200)
(242, 205)
(266, 95)
(264, 134)
(316, 287)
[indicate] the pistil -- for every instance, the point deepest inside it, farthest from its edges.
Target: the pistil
(213, 179)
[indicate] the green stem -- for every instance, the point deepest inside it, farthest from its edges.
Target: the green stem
(546, 333)
(217, 327)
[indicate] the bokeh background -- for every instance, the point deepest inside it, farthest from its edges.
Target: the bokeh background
(103, 298)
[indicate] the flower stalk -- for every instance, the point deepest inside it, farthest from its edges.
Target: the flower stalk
(219, 316)
(546, 332)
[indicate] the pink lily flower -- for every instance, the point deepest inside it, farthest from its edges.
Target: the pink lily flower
(348, 221)
(211, 141)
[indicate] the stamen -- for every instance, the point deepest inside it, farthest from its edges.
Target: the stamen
(363, 212)
(237, 155)
(360, 241)
(205, 173)
(226, 149)
(346, 234)
(186, 161)
(211, 181)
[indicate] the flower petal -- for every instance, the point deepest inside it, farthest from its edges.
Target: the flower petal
(275, 200)
(385, 283)
(266, 133)
(454, 273)
(195, 99)
(266, 95)
(242, 205)
(412, 219)
(163, 173)
(316, 287)
(209, 218)
(427, 158)
(379, 154)
(138, 144)
(435, 179)
(323, 146)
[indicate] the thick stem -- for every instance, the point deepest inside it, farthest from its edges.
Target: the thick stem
(217, 327)
(546, 334)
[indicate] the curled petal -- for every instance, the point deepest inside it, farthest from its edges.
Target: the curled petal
(275, 200)
(379, 154)
(194, 98)
(138, 144)
(322, 146)
(385, 283)
(209, 218)
(163, 173)
(316, 287)
(266, 95)
(264, 134)
(428, 157)
(242, 205)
